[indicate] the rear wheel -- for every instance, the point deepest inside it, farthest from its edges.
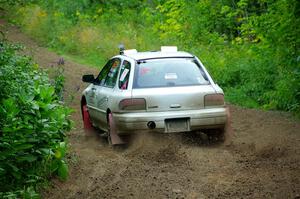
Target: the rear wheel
(223, 134)
(216, 135)
(220, 134)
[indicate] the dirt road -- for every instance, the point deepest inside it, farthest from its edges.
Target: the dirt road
(263, 160)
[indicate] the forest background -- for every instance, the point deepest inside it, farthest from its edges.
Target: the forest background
(251, 47)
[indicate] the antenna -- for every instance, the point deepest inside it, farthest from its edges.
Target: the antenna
(121, 48)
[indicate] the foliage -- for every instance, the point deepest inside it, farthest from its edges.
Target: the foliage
(250, 46)
(32, 126)
(171, 25)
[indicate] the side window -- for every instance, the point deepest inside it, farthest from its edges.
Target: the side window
(124, 75)
(111, 78)
(101, 77)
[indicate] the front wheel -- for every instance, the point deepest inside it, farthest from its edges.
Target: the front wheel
(109, 126)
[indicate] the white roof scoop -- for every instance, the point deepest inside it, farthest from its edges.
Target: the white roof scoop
(169, 49)
(130, 51)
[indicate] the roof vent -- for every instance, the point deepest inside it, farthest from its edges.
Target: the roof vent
(130, 51)
(168, 49)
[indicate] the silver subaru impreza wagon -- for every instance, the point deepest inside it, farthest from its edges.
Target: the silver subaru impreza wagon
(164, 91)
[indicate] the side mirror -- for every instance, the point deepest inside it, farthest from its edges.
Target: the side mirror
(88, 78)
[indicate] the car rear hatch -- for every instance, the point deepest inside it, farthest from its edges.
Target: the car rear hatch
(174, 98)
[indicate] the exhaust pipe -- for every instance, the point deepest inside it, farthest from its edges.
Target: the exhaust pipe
(151, 125)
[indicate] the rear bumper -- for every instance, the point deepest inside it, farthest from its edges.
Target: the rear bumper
(198, 119)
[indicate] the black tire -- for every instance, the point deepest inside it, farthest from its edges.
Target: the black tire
(216, 135)
(109, 123)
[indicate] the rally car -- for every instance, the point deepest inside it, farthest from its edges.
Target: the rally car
(166, 91)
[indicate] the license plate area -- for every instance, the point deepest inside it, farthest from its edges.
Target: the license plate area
(177, 125)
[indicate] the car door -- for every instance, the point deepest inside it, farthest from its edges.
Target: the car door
(92, 99)
(105, 91)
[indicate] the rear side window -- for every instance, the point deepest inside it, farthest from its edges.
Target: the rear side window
(169, 73)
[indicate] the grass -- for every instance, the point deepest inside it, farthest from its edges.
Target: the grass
(92, 61)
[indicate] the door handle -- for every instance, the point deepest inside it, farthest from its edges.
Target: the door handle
(175, 106)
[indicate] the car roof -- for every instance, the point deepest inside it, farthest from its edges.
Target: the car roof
(158, 54)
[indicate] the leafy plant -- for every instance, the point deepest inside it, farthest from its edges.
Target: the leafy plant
(32, 126)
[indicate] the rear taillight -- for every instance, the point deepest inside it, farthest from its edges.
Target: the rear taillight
(214, 100)
(133, 104)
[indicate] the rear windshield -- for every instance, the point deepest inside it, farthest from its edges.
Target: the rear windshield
(169, 73)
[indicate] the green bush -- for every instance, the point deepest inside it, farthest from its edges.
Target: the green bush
(32, 126)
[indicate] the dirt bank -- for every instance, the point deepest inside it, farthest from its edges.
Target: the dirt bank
(262, 162)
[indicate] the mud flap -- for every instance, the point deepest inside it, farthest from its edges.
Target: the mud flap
(87, 125)
(115, 138)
